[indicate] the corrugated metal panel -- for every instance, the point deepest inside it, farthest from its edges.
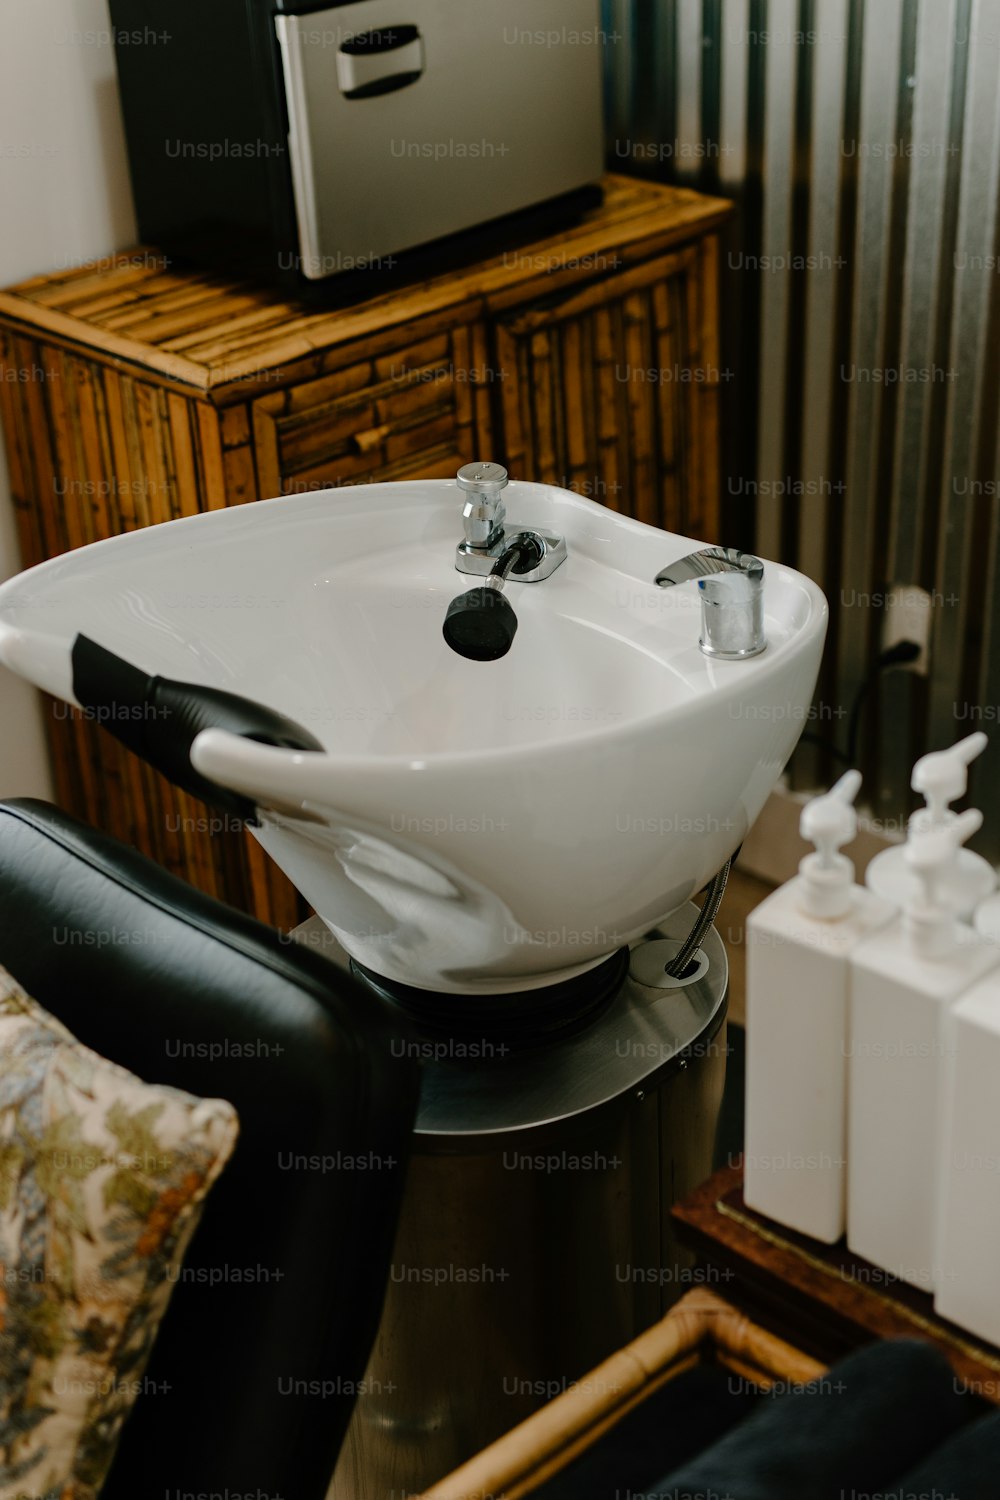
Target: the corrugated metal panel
(778, 182)
(824, 267)
(972, 409)
(861, 319)
(879, 176)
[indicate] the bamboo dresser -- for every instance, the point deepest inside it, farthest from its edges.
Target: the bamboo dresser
(134, 392)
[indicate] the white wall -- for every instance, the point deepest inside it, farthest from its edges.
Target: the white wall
(64, 199)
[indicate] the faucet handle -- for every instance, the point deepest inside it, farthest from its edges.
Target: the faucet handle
(484, 512)
(709, 561)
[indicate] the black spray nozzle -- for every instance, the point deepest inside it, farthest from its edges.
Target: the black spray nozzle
(481, 624)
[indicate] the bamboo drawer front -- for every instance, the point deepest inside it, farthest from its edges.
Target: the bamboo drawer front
(132, 392)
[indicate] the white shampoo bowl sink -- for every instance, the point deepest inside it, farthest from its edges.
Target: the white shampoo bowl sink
(470, 827)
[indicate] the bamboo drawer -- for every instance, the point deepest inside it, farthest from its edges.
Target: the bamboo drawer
(612, 390)
(411, 413)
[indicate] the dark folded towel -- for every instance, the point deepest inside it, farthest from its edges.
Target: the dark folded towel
(871, 1418)
(678, 1421)
(966, 1468)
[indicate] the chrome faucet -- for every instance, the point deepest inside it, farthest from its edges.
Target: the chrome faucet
(488, 533)
(480, 624)
(731, 584)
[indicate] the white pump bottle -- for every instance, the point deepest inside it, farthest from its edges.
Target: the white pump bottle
(798, 944)
(941, 778)
(968, 1205)
(903, 983)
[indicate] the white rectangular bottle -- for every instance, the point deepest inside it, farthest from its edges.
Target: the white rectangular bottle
(798, 944)
(903, 982)
(968, 1204)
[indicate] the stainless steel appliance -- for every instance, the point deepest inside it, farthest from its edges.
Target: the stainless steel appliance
(313, 141)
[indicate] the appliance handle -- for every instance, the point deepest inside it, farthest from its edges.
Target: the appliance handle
(379, 61)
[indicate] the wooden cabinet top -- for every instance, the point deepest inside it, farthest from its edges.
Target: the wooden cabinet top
(215, 335)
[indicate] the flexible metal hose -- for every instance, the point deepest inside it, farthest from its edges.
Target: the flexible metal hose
(714, 893)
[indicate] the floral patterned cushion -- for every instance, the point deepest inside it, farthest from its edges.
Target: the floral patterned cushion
(102, 1182)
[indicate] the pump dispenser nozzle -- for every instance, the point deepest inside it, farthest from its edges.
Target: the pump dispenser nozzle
(930, 853)
(829, 822)
(941, 777)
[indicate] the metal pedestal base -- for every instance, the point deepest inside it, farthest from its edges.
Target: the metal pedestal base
(535, 1238)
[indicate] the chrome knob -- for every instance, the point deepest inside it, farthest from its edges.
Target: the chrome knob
(482, 478)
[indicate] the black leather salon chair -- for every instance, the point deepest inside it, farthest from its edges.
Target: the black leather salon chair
(184, 991)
